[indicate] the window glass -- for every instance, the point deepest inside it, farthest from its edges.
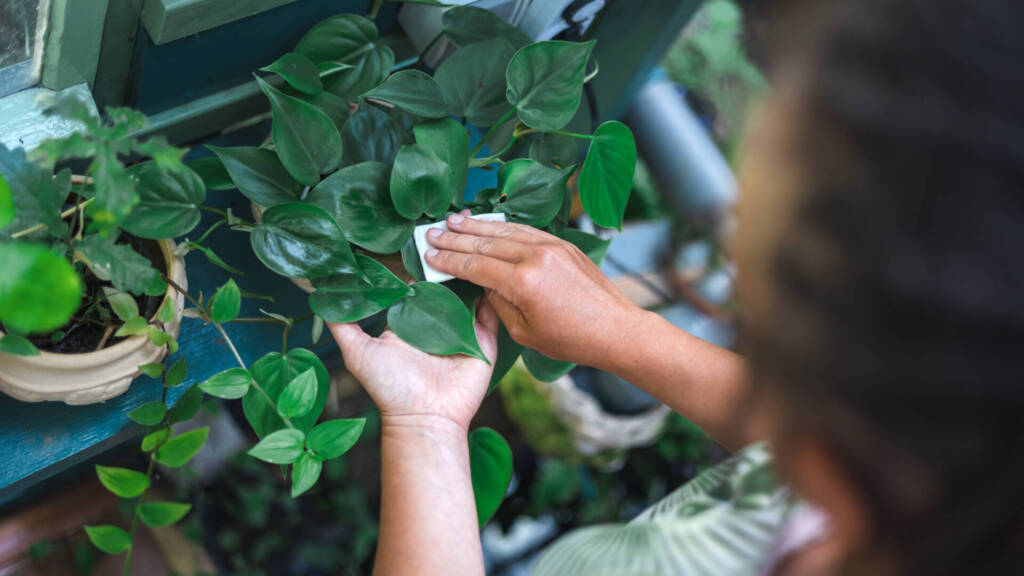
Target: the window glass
(22, 28)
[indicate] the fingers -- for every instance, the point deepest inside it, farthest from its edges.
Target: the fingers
(487, 329)
(512, 231)
(352, 341)
(480, 270)
(500, 248)
(511, 316)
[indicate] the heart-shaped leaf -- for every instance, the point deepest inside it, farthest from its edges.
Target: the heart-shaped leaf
(372, 135)
(465, 25)
(298, 71)
(357, 198)
(180, 449)
(23, 306)
(157, 514)
(230, 384)
(449, 141)
(169, 201)
(281, 447)
(273, 372)
(434, 320)
(122, 482)
(420, 183)
(149, 414)
(472, 81)
(213, 173)
(606, 178)
(333, 438)
(305, 473)
(490, 467)
(226, 302)
(555, 150)
(302, 241)
(306, 139)
(545, 82)
(347, 298)
(109, 539)
(413, 91)
(259, 174)
(299, 395)
(534, 192)
(348, 39)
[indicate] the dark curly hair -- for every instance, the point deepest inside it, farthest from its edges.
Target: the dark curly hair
(898, 315)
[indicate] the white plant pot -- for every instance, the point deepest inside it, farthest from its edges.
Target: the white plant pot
(91, 377)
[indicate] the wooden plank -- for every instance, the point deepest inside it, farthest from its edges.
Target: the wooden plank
(73, 42)
(169, 20)
(113, 73)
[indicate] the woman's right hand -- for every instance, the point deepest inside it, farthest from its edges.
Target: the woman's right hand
(549, 295)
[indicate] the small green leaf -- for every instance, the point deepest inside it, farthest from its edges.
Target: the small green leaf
(157, 514)
(153, 369)
(259, 174)
(155, 439)
(299, 395)
(299, 71)
(24, 307)
(17, 345)
(450, 142)
(166, 312)
(122, 482)
(545, 82)
(346, 298)
(413, 91)
(6, 203)
(606, 178)
(465, 25)
(535, 192)
(213, 173)
(177, 451)
(490, 467)
(273, 372)
(125, 268)
(473, 81)
(302, 241)
(317, 329)
(133, 327)
(333, 438)
(420, 183)
(226, 303)
(543, 368)
(169, 201)
(230, 384)
(110, 539)
(176, 373)
(160, 338)
(372, 135)
(187, 405)
(305, 473)
(123, 305)
(149, 414)
(306, 139)
(555, 150)
(436, 321)
(281, 447)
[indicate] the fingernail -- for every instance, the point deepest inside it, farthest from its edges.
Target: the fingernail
(432, 252)
(456, 219)
(434, 233)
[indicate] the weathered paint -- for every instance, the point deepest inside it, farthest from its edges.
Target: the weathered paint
(73, 42)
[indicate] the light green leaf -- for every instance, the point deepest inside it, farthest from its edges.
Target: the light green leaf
(149, 414)
(122, 482)
(114, 189)
(348, 39)
(157, 514)
(317, 329)
(299, 395)
(37, 195)
(555, 150)
(450, 142)
(420, 183)
(160, 338)
(153, 369)
(273, 372)
(6, 203)
(230, 384)
(372, 135)
(125, 268)
(122, 303)
(24, 308)
(413, 91)
(490, 467)
(259, 174)
(169, 201)
(333, 438)
(305, 473)
(166, 311)
(17, 345)
(347, 298)
(299, 71)
(226, 303)
(306, 139)
(133, 327)
(434, 320)
(302, 241)
(281, 447)
(534, 192)
(109, 539)
(155, 438)
(177, 451)
(465, 25)
(473, 81)
(545, 82)
(607, 175)
(176, 373)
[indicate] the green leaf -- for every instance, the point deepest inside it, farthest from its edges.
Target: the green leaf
(473, 81)
(213, 173)
(153, 369)
(306, 139)
(259, 175)
(6, 203)
(24, 307)
(413, 91)
(305, 473)
(273, 372)
(177, 451)
(508, 352)
(281, 447)
(411, 261)
(490, 467)
(302, 241)
(607, 175)
(160, 338)
(450, 142)
(230, 384)
(465, 25)
(346, 298)
(348, 39)
(299, 71)
(114, 189)
(157, 514)
(123, 304)
(336, 109)
(169, 201)
(122, 482)
(166, 311)
(594, 247)
(555, 150)
(187, 405)
(543, 368)
(149, 414)
(317, 329)
(226, 303)
(133, 327)
(357, 198)
(299, 395)
(155, 438)
(333, 438)
(419, 183)
(434, 320)
(372, 135)
(109, 539)
(17, 345)
(534, 192)
(37, 195)
(545, 82)
(176, 373)
(125, 268)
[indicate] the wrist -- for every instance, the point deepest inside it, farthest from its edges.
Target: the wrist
(433, 427)
(629, 334)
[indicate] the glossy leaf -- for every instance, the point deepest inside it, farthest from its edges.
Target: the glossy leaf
(109, 539)
(6, 203)
(187, 405)
(125, 268)
(155, 439)
(420, 183)
(298, 71)
(372, 135)
(24, 307)
(411, 261)
(490, 467)
(213, 173)
(226, 302)
(357, 198)
(149, 414)
(305, 473)
(472, 81)
(122, 482)
(176, 374)
(16, 345)
(465, 25)
(169, 201)
(281, 447)
(534, 192)
(336, 108)
(37, 194)
(302, 241)
(594, 247)
(157, 514)
(259, 175)
(348, 39)
(543, 368)
(306, 139)
(434, 320)
(555, 150)
(545, 82)
(606, 178)
(230, 384)
(347, 298)
(413, 91)
(299, 395)
(333, 438)
(450, 142)
(180, 449)
(273, 372)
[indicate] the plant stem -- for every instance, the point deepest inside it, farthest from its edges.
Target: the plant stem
(375, 9)
(63, 215)
(223, 213)
(135, 517)
(430, 46)
(480, 144)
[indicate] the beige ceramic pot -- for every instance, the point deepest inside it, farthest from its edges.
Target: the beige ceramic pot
(92, 377)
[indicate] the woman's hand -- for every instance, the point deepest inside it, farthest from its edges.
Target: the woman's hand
(411, 387)
(550, 296)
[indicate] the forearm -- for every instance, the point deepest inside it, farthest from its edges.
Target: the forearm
(428, 514)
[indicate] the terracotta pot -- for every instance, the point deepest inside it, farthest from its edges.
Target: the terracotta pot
(90, 377)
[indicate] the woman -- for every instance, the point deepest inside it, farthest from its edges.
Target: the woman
(882, 282)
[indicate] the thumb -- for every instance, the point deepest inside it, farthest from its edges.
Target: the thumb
(509, 314)
(353, 343)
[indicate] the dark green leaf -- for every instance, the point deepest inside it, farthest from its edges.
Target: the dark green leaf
(347, 298)
(465, 25)
(187, 405)
(154, 439)
(472, 81)
(333, 438)
(125, 268)
(180, 449)
(434, 320)
(259, 174)
(169, 201)
(215, 176)
(305, 473)
(299, 71)
(157, 514)
(153, 369)
(149, 414)
(281, 447)
(348, 39)
(607, 175)
(595, 248)
(230, 384)
(24, 307)
(299, 395)
(357, 198)
(336, 108)
(17, 345)
(420, 183)
(543, 368)
(534, 192)
(273, 372)
(411, 260)
(555, 150)
(306, 139)
(449, 141)
(176, 374)
(37, 195)
(413, 91)
(302, 241)
(508, 352)
(122, 482)
(110, 539)
(6, 203)
(226, 303)
(372, 135)
(490, 467)
(545, 82)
